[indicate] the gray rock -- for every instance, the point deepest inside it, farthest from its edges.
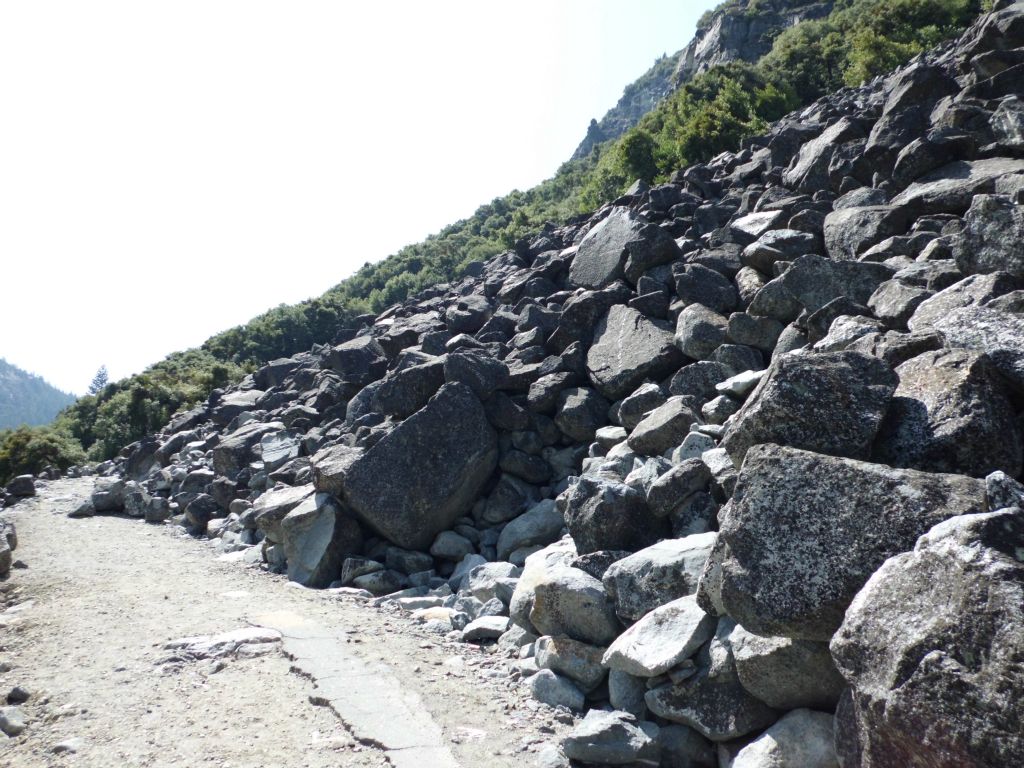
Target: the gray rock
(22, 486)
(581, 412)
(278, 448)
(831, 403)
(657, 575)
(809, 171)
(555, 690)
(683, 747)
(673, 487)
(535, 569)
(663, 428)
(108, 495)
(814, 281)
(951, 188)
(799, 739)
(750, 330)
(932, 646)
(612, 738)
(605, 514)
(804, 532)
(485, 628)
(484, 582)
(448, 545)
(894, 302)
(234, 452)
(317, 536)
(785, 673)
(700, 331)
(635, 406)
(951, 413)
(991, 238)
(972, 291)
(567, 601)
(436, 462)
(601, 256)
(12, 721)
(697, 284)
(998, 334)
(851, 231)
(626, 693)
(661, 639)
(628, 349)
(540, 525)
(272, 507)
(578, 661)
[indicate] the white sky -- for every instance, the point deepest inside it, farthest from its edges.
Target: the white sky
(169, 170)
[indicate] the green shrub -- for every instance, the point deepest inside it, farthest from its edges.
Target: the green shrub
(28, 450)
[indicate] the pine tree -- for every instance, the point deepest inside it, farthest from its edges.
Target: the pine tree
(99, 381)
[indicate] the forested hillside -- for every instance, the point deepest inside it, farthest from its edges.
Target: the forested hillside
(713, 112)
(28, 399)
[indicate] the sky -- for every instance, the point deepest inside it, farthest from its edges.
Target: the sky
(170, 170)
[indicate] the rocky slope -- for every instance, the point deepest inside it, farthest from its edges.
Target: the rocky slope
(733, 465)
(28, 399)
(736, 31)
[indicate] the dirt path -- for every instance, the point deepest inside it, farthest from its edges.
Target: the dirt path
(85, 632)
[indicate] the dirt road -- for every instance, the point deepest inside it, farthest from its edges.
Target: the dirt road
(85, 628)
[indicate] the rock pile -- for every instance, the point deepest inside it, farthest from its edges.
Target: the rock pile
(733, 463)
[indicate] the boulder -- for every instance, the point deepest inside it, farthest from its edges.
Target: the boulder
(601, 256)
(804, 532)
(951, 413)
(998, 334)
(952, 188)
(991, 238)
(628, 349)
(814, 281)
(972, 291)
(785, 673)
(554, 690)
(234, 452)
(22, 486)
(272, 507)
(663, 428)
(673, 487)
(535, 569)
(317, 536)
(581, 411)
(570, 658)
(605, 514)
(799, 739)
(931, 647)
(851, 231)
(567, 601)
(661, 639)
(108, 495)
(700, 331)
(832, 402)
(434, 465)
(540, 525)
(358, 362)
(658, 574)
(612, 738)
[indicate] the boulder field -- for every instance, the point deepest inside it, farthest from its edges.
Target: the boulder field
(731, 467)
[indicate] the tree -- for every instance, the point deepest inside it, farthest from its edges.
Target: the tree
(99, 381)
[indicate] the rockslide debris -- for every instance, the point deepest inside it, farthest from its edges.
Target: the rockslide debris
(733, 463)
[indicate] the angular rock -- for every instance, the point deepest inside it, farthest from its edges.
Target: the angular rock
(22, 486)
(991, 238)
(799, 739)
(629, 349)
(832, 403)
(272, 507)
(663, 428)
(567, 601)
(601, 256)
(580, 413)
(804, 532)
(700, 331)
(317, 536)
(541, 524)
(604, 514)
(611, 738)
(578, 661)
(234, 452)
(951, 413)
(674, 486)
(657, 575)
(998, 334)
(434, 465)
(814, 281)
(952, 188)
(932, 646)
(556, 691)
(661, 639)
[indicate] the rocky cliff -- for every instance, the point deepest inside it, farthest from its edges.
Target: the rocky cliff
(733, 465)
(734, 31)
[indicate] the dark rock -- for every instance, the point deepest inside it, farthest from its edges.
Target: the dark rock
(700, 331)
(804, 532)
(603, 514)
(831, 403)
(402, 393)
(991, 238)
(22, 486)
(581, 411)
(663, 428)
(696, 284)
(435, 462)
(931, 647)
(629, 348)
(815, 281)
(998, 334)
(851, 231)
(317, 536)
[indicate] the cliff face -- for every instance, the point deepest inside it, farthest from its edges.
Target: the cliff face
(735, 31)
(743, 31)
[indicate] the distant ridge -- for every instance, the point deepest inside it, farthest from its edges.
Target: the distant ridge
(28, 399)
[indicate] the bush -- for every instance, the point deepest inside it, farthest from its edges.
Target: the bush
(28, 450)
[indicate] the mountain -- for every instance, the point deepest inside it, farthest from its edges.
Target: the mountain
(738, 30)
(28, 399)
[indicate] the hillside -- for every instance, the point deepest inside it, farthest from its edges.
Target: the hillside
(28, 399)
(728, 472)
(710, 114)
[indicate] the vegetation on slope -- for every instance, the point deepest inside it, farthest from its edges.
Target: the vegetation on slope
(712, 113)
(28, 399)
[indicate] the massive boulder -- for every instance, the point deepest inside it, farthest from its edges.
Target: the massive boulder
(832, 402)
(423, 475)
(628, 349)
(932, 648)
(951, 413)
(805, 531)
(602, 514)
(992, 236)
(317, 535)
